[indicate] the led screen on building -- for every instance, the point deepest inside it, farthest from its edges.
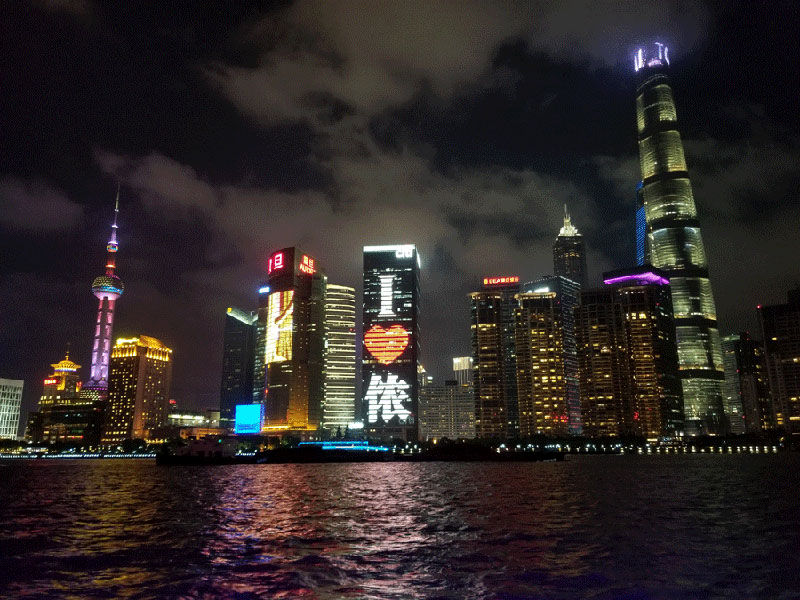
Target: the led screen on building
(279, 326)
(391, 339)
(249, 418)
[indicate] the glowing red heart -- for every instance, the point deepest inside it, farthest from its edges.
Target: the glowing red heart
(386, 344)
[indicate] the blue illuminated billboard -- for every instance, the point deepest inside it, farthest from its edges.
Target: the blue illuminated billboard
(249, 418)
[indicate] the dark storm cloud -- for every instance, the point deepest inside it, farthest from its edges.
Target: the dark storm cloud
(463, 127)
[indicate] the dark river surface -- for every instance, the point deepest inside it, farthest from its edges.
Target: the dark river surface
(633, 527)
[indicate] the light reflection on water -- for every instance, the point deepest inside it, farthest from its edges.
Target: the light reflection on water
(595, 527)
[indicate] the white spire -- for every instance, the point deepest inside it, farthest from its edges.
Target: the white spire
(568, 229)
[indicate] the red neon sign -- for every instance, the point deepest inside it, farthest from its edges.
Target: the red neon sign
(500, 280)
(307, 265)
(50, 381)
(386, 345)
(275, 262)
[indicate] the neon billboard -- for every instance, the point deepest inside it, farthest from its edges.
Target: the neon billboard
(307, 265)
(280, 323)
(387, 400)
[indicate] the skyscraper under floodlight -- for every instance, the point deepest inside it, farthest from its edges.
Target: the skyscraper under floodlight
(107, 288)
(569, 252)
(675, 243)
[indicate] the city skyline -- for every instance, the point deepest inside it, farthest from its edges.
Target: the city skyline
(180, 247)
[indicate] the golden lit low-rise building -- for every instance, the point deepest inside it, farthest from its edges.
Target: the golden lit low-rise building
(138, 392)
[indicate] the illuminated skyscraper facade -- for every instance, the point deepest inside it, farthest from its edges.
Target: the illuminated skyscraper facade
(260, 346)
(446, 411)
(676, 245)
(66, 415)
(628, 358)
(569, 252)
(642, 236)
(746, 386)
(138, 391)
(494, 359)
(10, 402)
(295, 342)
(547, 361)
(106, 288)
(390, 353)
(238, 353)
(340, 358)
(780, 327)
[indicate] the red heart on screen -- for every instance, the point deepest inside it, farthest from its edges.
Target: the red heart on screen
(386, 344)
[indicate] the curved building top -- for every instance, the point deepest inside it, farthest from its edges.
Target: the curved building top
(651, 56)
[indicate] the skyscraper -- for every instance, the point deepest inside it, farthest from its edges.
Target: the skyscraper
(10, 401)
(676, 245)
(446, 411)
(295, 342)
(66, 415)
(746, 387)
(340, 358)
(494, 359)
(569, 252)
(106, 288)
(238, 352)
(780, 328)
(138, 392)
(628, 358)
(391, 346)
(260, 346)
(547, 361)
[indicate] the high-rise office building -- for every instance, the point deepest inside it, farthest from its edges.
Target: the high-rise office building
(462, 369)
(446, 411)
(547, 361)
(295, 342)
(106, 288)
(340, 358)
(238, 353)
(138, 391)
(10, 402)
(746, 387)
(494, 359)
(676, 245)
(66, 415)
(260, 346)
(569, 252)
(628, 358)
(391, 346)
(780, 328)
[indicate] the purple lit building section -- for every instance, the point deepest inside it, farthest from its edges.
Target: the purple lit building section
(107, 288)
(643, 278)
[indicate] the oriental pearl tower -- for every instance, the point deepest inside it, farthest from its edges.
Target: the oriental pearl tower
(107, 288)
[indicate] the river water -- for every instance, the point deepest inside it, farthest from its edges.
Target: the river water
(602, 527)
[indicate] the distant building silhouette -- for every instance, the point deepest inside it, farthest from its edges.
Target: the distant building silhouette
(569, 252)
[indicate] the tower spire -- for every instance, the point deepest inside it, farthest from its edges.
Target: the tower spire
(568, 229)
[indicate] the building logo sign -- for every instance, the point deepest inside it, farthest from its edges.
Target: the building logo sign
(307, 265)
(386, 345)
(276, 262)
(387, 399)
(500, 280)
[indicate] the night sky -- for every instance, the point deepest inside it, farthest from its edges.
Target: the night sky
(237, 128)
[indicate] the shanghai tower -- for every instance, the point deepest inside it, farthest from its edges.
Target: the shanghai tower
(106, 288)
(675, 243)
